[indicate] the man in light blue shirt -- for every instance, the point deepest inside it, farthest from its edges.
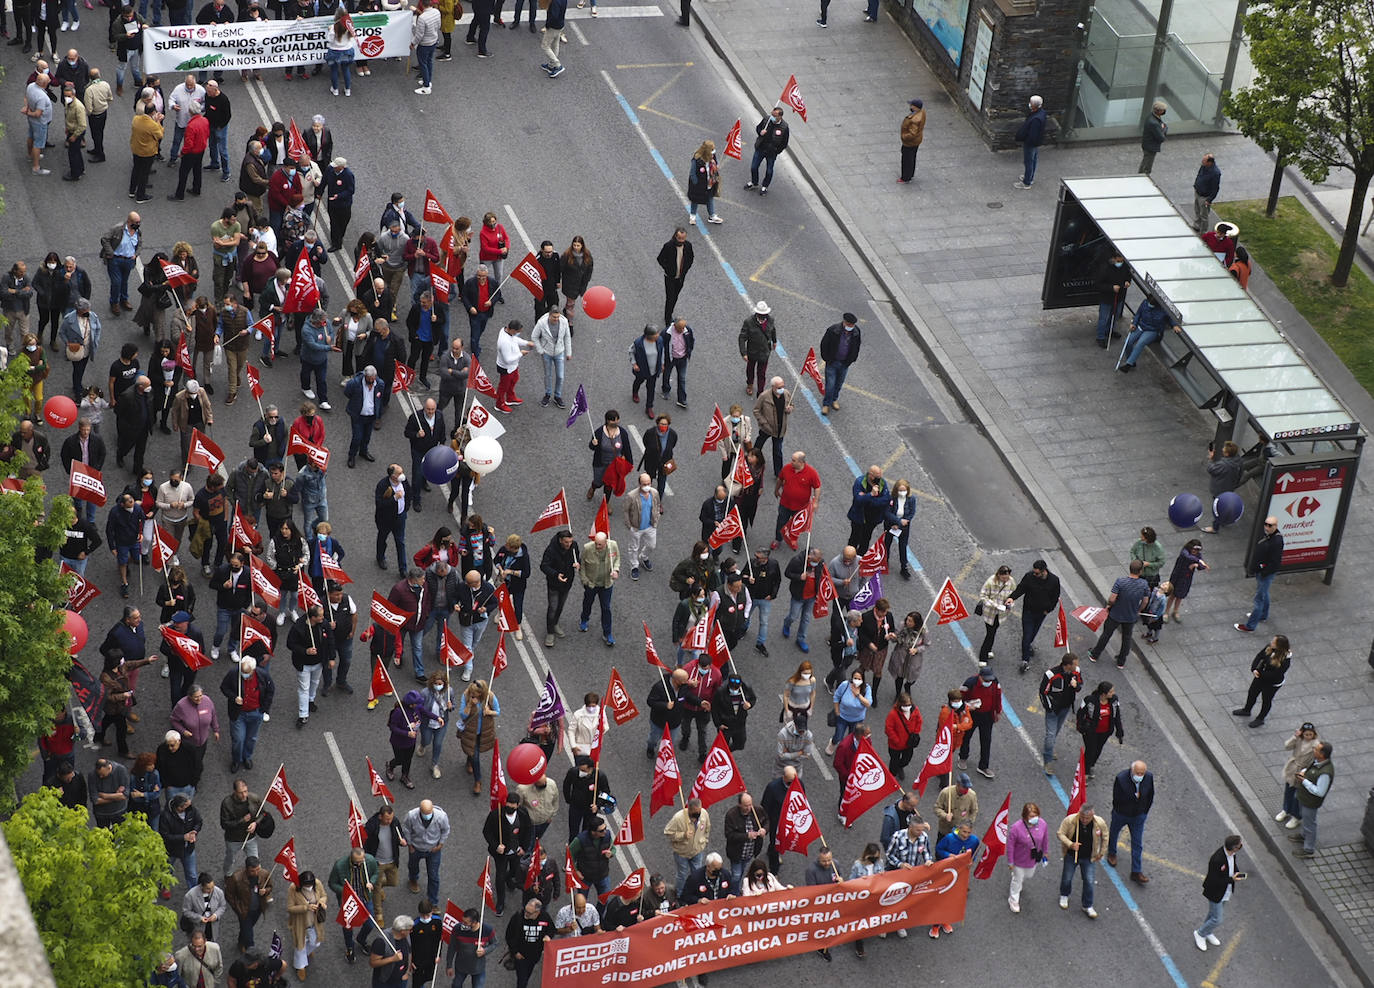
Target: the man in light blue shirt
(642, 511)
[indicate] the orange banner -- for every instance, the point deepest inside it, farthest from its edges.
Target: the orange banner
(733, 932)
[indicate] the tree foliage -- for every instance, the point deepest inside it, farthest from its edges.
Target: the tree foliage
(33, 649)
(1312, 101)
(92, 891)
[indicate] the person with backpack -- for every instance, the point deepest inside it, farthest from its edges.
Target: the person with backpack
(1058, 694)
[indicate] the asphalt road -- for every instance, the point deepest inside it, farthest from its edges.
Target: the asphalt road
(602, 152)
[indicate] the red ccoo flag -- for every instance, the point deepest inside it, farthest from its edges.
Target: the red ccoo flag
(949, 606)
(532, 872)
(242, 531)
(530, 273)
(453, 652)
(825, 593)
(317, 455)
(352, 910)
(175, 274)
(361, 269)
(499, 789)
(715, 432)
(498, 661)
(632, 887)
(939, 761)
(813, 370)
(204, 452)
(405, 377)
(380, 685)
(254, 381)
(357, 826)
(387, 614)
(667, 776)
(307, 597)
(734, 146)
(435, 213)
(332, 571)
(601, 524)
(618, 702)
(869, 783)
(185, 648)
(632, 827)
(505, 609)
(555, 515)
(303, 294)
(797, 526)
(185, 361)
(266, 327)
(452, 917)
(1061, 628)
(286, 857)
(442, 283)
(719, 777)
(379, 787)
(791, 95)
(488, 890)
(478, 380)
(264, 582)
(1078, 795)
(252, 630)
(797, 824)
(295, 144)
(1091, 615)
(730, 528)
(651, 653)
(85, 484)
(994, 842)
(82, 590)
(572, 882)
(279, 794)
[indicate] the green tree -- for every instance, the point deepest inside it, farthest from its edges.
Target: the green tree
(93, 892)
(33, 649)
(1312, 101)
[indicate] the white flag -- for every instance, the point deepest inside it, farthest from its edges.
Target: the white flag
(482, 423)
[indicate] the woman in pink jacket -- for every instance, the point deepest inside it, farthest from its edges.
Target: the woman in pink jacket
(1027, 845)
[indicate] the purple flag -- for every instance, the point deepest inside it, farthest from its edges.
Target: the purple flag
(579, 406)
(550, 706)
(869, 595)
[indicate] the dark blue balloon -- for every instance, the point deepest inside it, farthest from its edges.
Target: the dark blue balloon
(1185, 510)
(1228, 507)
(440, 464)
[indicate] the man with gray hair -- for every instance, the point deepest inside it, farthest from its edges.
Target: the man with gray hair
(74, 116)
(364, 394)
(1030, 135)
(1152, 136)
(390, 960)
(38, 109)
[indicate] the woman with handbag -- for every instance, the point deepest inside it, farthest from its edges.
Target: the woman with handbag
(747, 498)
(151, 316)
(305, 918)
(908, 651)
(477, 732)
(80, 338)
(703, 183)
(1187, 564)
(1027, 843)
(992, 607)
(659, 445)
(1267, 673)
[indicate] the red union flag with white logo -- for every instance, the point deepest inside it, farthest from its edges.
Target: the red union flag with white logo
(184, 359)
(825, 594)
(700, 635)
(279, 794)
(254, 381)
(1078, 795)
(939, 761)
(379, 788)
(651, 653)
(175, 274)
(361, 268)
(719, 777)
(715, 432)
(253, 631)
(265, 327)
(505, 609)
(742, 476)
(994, 842)
(618, 702)
(357, 826)
(530, 273)
(443, 284)
(405, 377)
(874, 560)
(791, 95)
(734, 146)
(317, 455)
(307, 597)
(303, 294)
(387, 614)
(1061, 628)
(813, 370)
(555, 515)
(482, 423)
(452, 917)
(667, 776)
(332, 571)
(632, 827)
(488, 890)
(498, 661)
(478, 380)
(352, 910)
(949, 606)
(571, 882)
(204, 452)
(869, 783)
(286, 857)
(435, 213)
(797, 824)
(797, 526)
(295, 144)
(453, 652)
(633, 886)
(266, 584)
(729, 529)
(1091, 615)
(85, 484)
(185, 648)
(242, 531)
(81, 592)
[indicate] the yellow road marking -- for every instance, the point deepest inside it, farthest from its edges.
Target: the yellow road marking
(662, 89)
(968, 566)
(777, 253)
(876, 397)
(828, 306)
(896, 455)
(1227, 953)
(669, 116)
(658, 65)
(1156, 859)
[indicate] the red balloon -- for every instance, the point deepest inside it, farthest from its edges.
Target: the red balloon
(60, 412)
(598, 302)
(526, 763)
(75, 625)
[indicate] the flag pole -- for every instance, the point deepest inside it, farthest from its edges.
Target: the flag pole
(395, 696)
(729, 496)
(263, 805)
(482, 915)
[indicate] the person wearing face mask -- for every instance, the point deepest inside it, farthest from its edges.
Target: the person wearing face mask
(1027, 847)
(840, 349)
(1098, 718)
(282, 187)
(712, 513)
(983, 697)
(16, 301)
(233, 592)
(954, 715)
(600, 570)
(903, 730)
(850, 703)
(124, 535)
(689, 612)
(1030, 135)
(392, 499)
(74, 117)
(191, 412)
(1112, 282)
(1133, 793)
(231, 332)
(248, 692)
(657, 462)
(697, 572)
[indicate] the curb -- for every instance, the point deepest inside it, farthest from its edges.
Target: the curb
(938, 351)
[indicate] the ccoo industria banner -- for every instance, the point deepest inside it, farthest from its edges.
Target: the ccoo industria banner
(268, 44)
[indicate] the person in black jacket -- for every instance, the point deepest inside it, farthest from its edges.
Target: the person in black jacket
(763, 577)
(1222, 875)
(1133, 793)
(559, 564)
(1058, 695)
(1030, 135)
(312, 646)
(1097, 720)
(509, 836)
(839, 350)
(666, 708)
(84, 446)
(774, 797)
(583, 788)
(773, 135)
(1266, 558)
(134, 423)
(233, 591)
(339, 187)
(1040, 587)
(392, 500)
(730, 709)
(592, 851)
(1268, 670)
(82, 540)
(1206, 187)
(218, 113)
(1112, 282)
(425, 429)
(532, 927)
(675, 258)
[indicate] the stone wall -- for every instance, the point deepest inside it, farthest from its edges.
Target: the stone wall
(22, 957)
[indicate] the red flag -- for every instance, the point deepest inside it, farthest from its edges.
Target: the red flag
(797, 824)
(478, 380)
(633, 886)
(332, 571)
(380, 685)
(499, 789)
(667, 776)
(632, 827)
(488, 890)
(532, 872)
(306, 596)
(874, 560)
(286, 857)
(379, 786)
(1061, 628)
(164, 547)
(869, 783)
(317, 455)
(352, 910)
(1091, 615)
(405, 377)
(797, 526)
(949, 606)
(498, 661)
(295, 144)
(82, 591)
(86, 485)
(303, 294)
(266, 326)
(1078, 795)
(813, 370)
(505, 609)
(264, 582)
(453, 652)
(555, 515)
(443, 284)
(435, 213)
(204, 452)
(791, 95)
(185, 648)
(242, 531)
(742, 476)
(252, 630)
(530, 273)
(994, 842)
(386, 613)
(356, 825)
(184, 359)
(715, 432)
(602, 522)
(175, 274)
(651, 653)
(254, 380)
(700, 635)
(599, 736)
(571, 882)
(361, 269)
(825, 593)
(734, 146)
(939, 761)
(717, 648)
(452, 917)
(719, 777)
(730, 527)
(279, 794)
(617, 700)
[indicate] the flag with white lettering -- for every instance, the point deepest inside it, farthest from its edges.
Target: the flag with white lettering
(478, 380)
(530, 273)
(667, 776)
(791, 95)
(555, 515)
(550, 706)
(85, 484)
(303, 293)
(279, 794)
(734, 145)
(204, 452)
(618, 702)
(994, 842)
(719, 777)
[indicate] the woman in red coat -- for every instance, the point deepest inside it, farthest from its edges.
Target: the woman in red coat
(903, 730)
(493, 248)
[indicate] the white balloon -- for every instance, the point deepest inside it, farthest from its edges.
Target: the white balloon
(483, 455)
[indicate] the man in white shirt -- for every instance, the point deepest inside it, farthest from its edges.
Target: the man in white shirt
(577, 919)
(509, 349)
(183, 97)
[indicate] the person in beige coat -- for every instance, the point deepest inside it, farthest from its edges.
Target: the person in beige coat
(913, 132)
(771, 412)
(191, 410)
(1083, 838)
(200, 961)
(956, 804)
(688, 833)
(1303, 745)
(642, 512)
(306, 910)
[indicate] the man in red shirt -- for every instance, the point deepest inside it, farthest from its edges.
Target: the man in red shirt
(798, 485)
(193, 146)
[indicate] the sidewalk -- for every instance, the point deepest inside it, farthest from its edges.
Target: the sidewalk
(961, 254)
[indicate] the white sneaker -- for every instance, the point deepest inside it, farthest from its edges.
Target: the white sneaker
(423, 90)
(176, 560)
(1014, 905)
(692, 218)
(166, 673)
(214, 654)
(326, 406)
(308, 393)
(281, 619)
(1063, 902)
(1280, 816)
(266, 718)
(467, 673)
(435, 771)
(1293, 823)
(1092, 913)
(1199, 940)
(901, 934)
(519, 634)
(1212, 939)
(64, 26)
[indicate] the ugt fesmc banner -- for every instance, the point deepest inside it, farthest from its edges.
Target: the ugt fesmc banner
(268, 44)
(734, 932)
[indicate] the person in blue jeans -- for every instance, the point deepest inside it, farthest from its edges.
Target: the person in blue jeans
(1083, 839)
(1267, 560)
(1030, 135)
(839, 349)
(1148, 326)
(852, 699)
(1112, 283)
(248, 691)
(1133, 793)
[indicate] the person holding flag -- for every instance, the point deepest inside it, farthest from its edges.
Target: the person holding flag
(509, 836)
(1083, 839)
(311, 643)
(468, 945)
(773, 135)
(248, 693)
(478, 732)
(391, 957)
(359, 870)
(1041, 589)
(798, 487)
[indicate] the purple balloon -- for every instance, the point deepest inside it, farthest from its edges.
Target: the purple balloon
(1228, 507)
(1185, 510)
